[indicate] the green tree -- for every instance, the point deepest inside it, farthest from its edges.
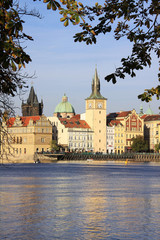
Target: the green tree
(139, 144)
(54, 146)
(12, 55)
(136, 20)
(13, 59)
(157, 147)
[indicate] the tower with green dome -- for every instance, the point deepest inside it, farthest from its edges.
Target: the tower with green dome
(64, 109)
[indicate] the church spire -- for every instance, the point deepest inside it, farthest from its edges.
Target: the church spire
(96, 87)
(32, 99)
(32, 107)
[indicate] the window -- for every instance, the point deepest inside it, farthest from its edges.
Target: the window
(42, 140)
(25, 151)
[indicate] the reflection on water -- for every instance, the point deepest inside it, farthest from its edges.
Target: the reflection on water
(79, 201)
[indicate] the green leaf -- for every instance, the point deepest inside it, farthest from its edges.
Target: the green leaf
(63, 19)
(14, 68)
(49, 5)
(54, 7)
(66, 23)
(77, 19)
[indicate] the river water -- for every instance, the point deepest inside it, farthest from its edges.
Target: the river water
(81, 201)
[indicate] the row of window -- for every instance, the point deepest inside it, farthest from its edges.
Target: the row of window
(20, 140)
(24, 150)
(118, 134)
(30, 130)
(80, 137)
(109, 137)
(19, 150)
(80, 145)
(134, 129)
(118, 141)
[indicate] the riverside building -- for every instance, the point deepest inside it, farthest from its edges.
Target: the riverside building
(127, 125)
(26, 135)
(86, 132)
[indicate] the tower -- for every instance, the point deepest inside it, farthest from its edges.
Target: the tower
(96, 106)
(32, 107)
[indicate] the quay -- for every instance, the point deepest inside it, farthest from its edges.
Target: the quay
(134, 157)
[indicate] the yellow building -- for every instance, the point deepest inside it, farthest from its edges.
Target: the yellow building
(127, 125)
(26, 135)
(95, 115)
(151, 130)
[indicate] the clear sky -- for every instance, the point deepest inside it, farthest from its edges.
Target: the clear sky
(63, 66)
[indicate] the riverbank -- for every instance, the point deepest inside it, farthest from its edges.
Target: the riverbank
(51, 158)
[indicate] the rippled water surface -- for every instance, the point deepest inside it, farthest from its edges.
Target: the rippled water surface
(80, 201)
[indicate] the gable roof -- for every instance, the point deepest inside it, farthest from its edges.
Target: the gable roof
(24, 120)
(117, 116)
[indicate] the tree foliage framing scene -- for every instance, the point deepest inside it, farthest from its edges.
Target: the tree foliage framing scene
(136, 20)
(13, 58)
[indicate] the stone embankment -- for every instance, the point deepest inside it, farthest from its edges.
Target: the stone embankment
(148, 157)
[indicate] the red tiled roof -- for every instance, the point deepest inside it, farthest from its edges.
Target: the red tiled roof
(24, 120)
(74, 122)
(152, 117)
(123, 114)
(115, 122)
(144, 116)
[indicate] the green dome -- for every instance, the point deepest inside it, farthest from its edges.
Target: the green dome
(149, 111)
(64, 106)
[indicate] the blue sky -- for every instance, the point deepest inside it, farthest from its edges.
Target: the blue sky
(63, 66)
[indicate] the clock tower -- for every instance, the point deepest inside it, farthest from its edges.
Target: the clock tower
(96, 106)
